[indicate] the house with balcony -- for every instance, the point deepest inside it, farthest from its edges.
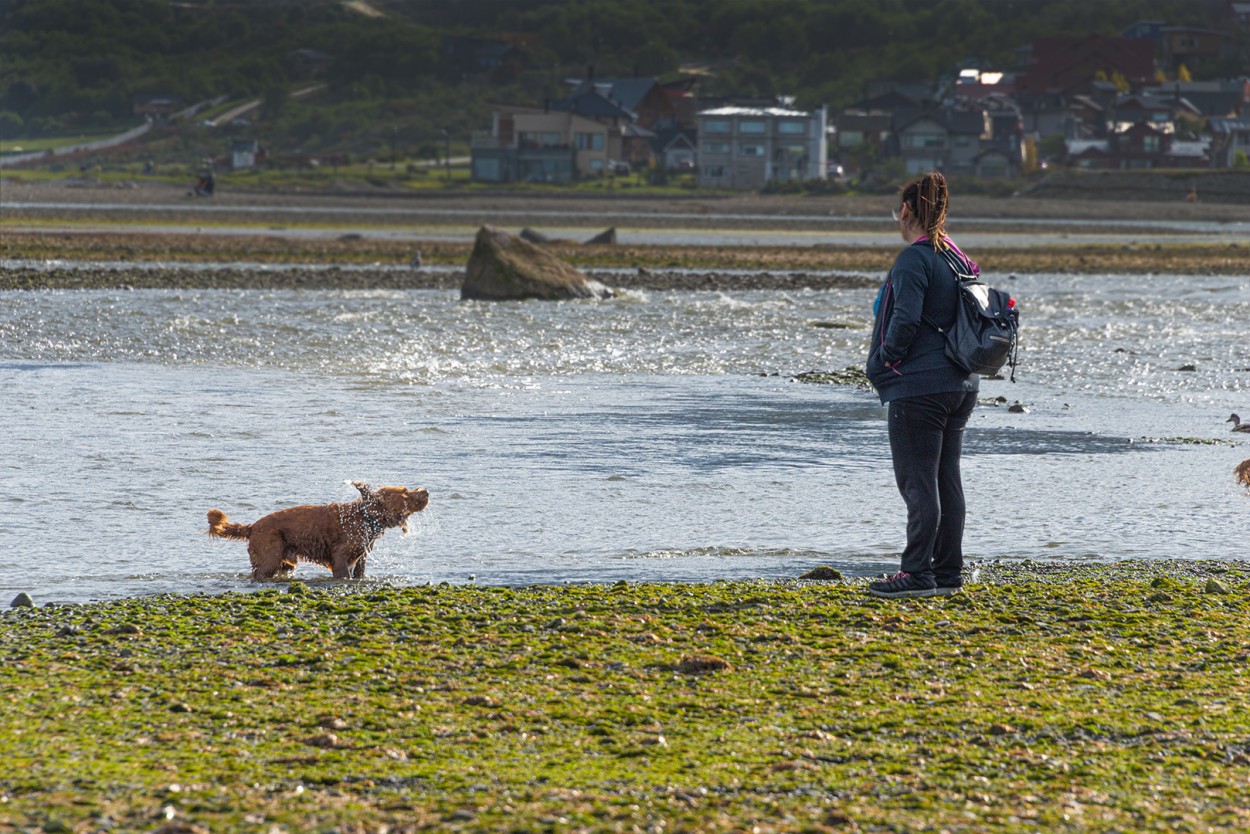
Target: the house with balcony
(748, 147)
(539, 144)
(591, 131)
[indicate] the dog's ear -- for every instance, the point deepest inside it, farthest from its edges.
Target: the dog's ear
(366, 491)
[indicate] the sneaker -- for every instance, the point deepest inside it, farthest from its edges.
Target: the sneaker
(901, 585)
(947, 590)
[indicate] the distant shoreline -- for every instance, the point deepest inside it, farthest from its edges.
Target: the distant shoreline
(1035, 203)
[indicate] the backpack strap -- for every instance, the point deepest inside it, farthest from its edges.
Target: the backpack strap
(963, 272)
(959, 279)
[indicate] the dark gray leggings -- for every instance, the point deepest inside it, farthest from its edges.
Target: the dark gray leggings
(926, 439)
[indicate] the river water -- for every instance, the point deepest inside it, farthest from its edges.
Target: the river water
(656, 436)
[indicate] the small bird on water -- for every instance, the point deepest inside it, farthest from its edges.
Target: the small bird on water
(1237, 424)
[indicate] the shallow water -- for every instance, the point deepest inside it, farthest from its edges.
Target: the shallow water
(653, 437)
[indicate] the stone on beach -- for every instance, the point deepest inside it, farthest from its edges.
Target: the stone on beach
(503, 267)
(22, 600)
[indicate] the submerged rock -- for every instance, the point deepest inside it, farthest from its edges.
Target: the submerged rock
(503, 267)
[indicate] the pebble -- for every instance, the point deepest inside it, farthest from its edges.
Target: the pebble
(22, 600)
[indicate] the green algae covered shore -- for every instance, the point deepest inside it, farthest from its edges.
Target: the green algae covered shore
(1043, 698)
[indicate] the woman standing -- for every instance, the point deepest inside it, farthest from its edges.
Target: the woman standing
(929, 398)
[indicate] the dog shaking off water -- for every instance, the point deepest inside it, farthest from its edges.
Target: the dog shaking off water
(338, 536)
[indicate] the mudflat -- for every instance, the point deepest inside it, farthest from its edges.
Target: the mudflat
(145, 223)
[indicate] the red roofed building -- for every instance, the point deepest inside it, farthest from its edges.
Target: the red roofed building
(1069, 66)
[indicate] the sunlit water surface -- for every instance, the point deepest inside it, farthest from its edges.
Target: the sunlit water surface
(652, 437)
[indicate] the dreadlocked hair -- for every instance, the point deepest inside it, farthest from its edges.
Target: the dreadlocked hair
(927, 199)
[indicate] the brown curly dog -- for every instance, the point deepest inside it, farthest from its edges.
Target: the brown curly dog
(338, 536)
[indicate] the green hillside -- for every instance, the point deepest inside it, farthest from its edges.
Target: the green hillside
(73, 66)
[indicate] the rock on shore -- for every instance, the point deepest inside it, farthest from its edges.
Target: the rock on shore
(505, 267)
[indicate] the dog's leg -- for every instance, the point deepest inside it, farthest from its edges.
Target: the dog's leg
(342, 559)
(265, 551)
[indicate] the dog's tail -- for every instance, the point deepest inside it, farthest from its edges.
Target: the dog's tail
(224, 528)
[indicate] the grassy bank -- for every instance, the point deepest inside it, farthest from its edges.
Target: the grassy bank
(1094, 699)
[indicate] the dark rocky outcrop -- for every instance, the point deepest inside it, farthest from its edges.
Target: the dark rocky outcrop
(503, 267)
(605, 238)
(534, 236)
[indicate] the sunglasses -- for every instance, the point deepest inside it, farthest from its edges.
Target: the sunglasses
(895, 213)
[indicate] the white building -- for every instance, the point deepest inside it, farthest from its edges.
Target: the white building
(748, 147)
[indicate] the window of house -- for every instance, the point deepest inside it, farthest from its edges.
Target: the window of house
(552, 140)
(1150, 144)
(924, 140)
(716, 147)
(714, 171)
(715, 125)
(752, 127)
(750, 149)
(486, 169)
(963, 141)
(589, 141)
(792, 128)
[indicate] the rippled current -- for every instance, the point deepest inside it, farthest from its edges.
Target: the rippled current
(656, 436)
